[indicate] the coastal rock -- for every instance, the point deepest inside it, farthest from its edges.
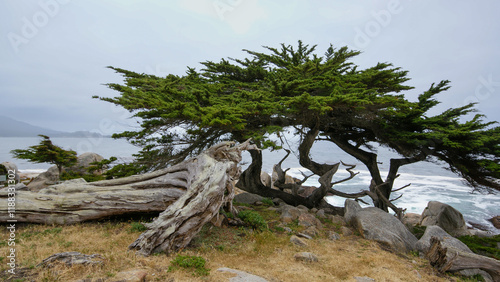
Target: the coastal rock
(346, 231)
(302, 235)
(242, 276)
(45, 179)
(481, 233)
(133, 275)
(375, 224)
(444, 216)
(495, 221)
(303, 208)
(333, 236)
(306, 256)
(321, 213)
(411, 220)
(289, 213)
(18, 187)
(307, 220)
(336, 219)
(84, 161)
(247, 198)
(351, 208)
(446, 239)
(311, 231)
(297, 241)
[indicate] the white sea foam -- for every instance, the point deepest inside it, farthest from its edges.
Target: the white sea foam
(32, 170)
(475, 207)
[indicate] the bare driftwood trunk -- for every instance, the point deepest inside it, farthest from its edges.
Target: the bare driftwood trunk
(453, 260)
(76, 200)
(210, 185)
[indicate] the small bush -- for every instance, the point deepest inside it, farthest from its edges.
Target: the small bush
(194, 263)
(418, 231)
(227, 214)
(137, 227)
(486, 246)
(124, 170)
(253, 219)
(267, 201)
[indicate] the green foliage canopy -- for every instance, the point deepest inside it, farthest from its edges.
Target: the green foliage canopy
(322, 97)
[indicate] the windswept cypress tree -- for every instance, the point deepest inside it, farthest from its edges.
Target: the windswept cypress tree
(319, 97)
(46, 152)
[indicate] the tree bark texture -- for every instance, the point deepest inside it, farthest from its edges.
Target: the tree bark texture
(250, 181)
(210, 185)
(76, 200)
(453, 260)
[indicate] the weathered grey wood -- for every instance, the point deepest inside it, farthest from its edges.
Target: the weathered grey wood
(210, 186)
(72, 258)
(76, 200)
(454, 260)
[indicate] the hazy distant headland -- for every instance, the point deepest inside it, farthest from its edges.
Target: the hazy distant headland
(13, 128)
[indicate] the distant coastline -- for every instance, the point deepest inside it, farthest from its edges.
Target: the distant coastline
(13, 128)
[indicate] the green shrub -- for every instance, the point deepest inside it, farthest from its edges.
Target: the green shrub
(100, 166)
(418, 231)
(486, 246)
(227, 214)
(137, 227)
(194, 263)
(267, 201)
(124, 170)
(253, 219)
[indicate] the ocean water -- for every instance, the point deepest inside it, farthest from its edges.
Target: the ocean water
(106, 147)
(429, 181)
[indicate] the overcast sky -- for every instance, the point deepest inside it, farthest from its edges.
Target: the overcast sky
(54, 52)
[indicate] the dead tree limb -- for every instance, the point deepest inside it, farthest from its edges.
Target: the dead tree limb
(453, 260)
(209, 187)
(401, 188)
(76, 200)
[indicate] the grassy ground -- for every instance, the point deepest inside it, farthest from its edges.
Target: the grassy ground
(268, 254)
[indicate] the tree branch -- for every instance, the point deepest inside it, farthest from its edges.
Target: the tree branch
(406, 186)
(304, 151)
(349, 169)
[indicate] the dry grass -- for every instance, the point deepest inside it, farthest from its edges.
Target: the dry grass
(266, 254)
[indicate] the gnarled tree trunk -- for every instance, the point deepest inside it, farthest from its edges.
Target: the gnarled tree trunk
(210, 183)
